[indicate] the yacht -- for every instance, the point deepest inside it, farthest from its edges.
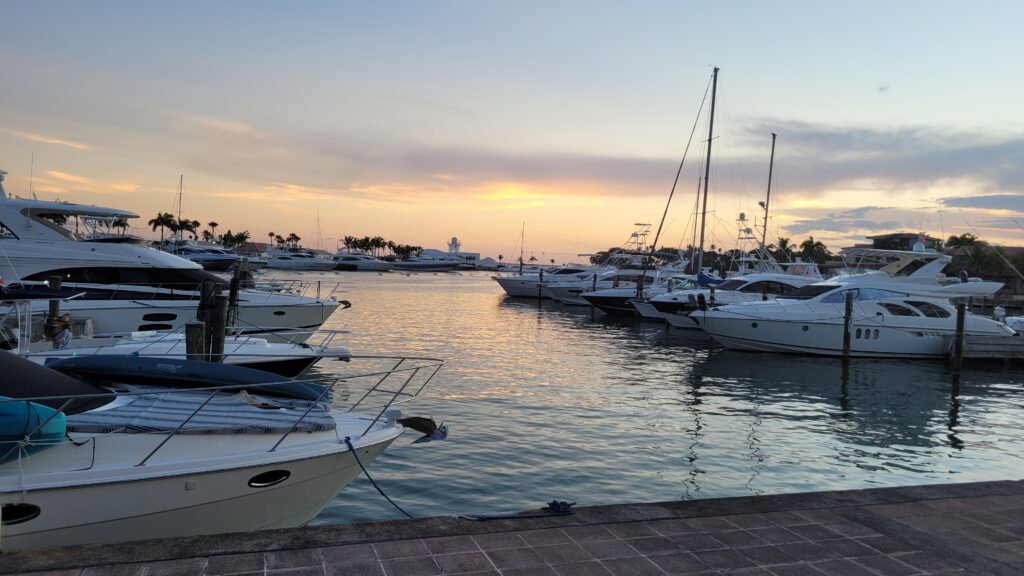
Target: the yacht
(811, 320)
(126, 287)
(620, 300)
(677, 305)
(212, 259)
(425, 264)
(297, 260)
(105, 450)
(355, 262)
(569, 292)
(531, 284)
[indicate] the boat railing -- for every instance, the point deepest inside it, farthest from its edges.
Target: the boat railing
(188, 291)
(389, 381)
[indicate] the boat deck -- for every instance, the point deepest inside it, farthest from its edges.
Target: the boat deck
(975, 528)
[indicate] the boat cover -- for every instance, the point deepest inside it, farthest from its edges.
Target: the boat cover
(21, 378)
(42, 425)
(239, 413)
(150, 371)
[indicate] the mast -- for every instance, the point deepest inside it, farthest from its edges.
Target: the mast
(707, 172)
(181, 180)
(768, 197)
(522, 236)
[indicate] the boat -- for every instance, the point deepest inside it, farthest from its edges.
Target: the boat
(620, 300)
(212, 259)
(531, 284)
(157, 449)
(355, 262)
(568, 292)
(127, 287)
(426, 264)
(297, 260)
(811, 320)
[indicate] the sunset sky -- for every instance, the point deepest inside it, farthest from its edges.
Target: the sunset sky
(421, 120)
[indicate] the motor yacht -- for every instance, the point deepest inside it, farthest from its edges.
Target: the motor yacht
(127, 287)
(622, 279)
(811, 320)
(104, 450)
(355, 262)
(425, 264)
(212, 259)
(297, 260)
(619, 300)
(531, 284)
(676, 305)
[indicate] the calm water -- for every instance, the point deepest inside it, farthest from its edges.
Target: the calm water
(554, 402)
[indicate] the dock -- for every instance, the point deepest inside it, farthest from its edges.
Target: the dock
(993, 348)
(970, 529)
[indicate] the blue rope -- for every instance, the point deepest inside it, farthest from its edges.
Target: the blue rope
(370, 478)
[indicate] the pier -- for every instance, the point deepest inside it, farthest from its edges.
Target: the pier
(970, 529)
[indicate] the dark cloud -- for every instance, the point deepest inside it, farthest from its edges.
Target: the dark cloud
(843, 222)
(1013, 202)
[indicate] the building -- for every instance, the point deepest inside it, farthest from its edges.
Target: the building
(454, 251)
(904, 241)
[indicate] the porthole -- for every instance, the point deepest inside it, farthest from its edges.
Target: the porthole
(806, 328)
(858, 333)
(753, 324)
(278, 312)
(269, 478)
(18, 513)
(159, 317)
(149, 327)
(876, 333)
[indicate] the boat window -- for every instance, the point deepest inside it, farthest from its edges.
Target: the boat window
(877, 294)
(897, 309)
(757, 287)
(176, 278)
(837, 297)
(930, 310)
(6, 234)
(811, 291)
(730, 285)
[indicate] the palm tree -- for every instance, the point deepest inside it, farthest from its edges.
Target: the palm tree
(241, 238)
(293, 239)
(533, 258)
(213, 227)
(279, 240)
(814, 250)
(270, 240)
(784, 250)
(163, 220)
(121, 223)
(208, 236)
(501, 257)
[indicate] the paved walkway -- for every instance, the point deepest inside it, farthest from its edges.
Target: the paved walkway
(970, 529)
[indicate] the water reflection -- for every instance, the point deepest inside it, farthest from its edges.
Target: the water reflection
(548, 401)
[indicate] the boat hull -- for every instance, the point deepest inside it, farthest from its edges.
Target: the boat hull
(171, 506)
(517, 288)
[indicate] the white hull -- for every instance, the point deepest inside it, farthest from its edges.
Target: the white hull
(163, 507)
(681, 321)
(518, 288)
(259, 313)
(425, 266)
(301, 265)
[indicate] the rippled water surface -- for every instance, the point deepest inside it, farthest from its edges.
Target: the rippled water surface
(554, 402)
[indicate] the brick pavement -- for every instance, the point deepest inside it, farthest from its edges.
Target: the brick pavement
(979, 529)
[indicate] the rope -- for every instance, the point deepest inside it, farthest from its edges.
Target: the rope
(348, 442)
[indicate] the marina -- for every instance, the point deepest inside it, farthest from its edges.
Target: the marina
(347, 288)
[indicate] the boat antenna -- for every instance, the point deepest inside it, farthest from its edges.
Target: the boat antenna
(672, 191)
(707, 171)
(768, 196)
(181, 180)
(31, 173)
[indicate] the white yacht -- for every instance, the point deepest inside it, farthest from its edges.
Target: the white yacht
(568, 292)
(620, 300)
(676, 305)
(426, 264)
(127, 287)
(531, 284)
(297, 260)
(811, 320)
(355, 262)
(212, 259)
(145, 455)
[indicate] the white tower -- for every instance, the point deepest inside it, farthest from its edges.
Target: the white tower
(454, 245)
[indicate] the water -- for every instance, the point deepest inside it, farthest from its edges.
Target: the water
(554, 402)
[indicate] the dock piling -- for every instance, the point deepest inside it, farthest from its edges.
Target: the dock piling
(958, 342)
(195, 340)
(847, 323)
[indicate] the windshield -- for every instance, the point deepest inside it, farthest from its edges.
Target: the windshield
(811, 291)
(730, 285)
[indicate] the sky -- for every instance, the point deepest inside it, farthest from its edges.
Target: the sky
(559, 122)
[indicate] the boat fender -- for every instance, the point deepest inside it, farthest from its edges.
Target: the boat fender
(702, 302)
(426, 426)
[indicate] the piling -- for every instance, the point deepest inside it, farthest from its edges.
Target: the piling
(218, 321)
(711, 301)
(958, 340)
(236, 284)
(540, 284)
(49, 328)
(195, 340)
(847, 323)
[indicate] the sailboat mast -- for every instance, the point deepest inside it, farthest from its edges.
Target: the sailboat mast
(522, 237)
(768, 196)
(707, 172)
(181, 180)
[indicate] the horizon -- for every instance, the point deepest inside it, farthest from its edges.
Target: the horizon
(419, 122)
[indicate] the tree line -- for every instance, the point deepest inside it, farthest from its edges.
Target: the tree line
(377, 246)
(165, 221)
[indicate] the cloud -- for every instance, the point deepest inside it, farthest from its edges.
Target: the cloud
(844, 222)
(1014, 202)
(47, 139)
(58, 182)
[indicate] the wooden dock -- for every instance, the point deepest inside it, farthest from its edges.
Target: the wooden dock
(993, 347)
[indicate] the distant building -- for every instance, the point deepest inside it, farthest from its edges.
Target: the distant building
(454, 251)
(904, 241)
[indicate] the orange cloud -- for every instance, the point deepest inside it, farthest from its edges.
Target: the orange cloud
(47, 139)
